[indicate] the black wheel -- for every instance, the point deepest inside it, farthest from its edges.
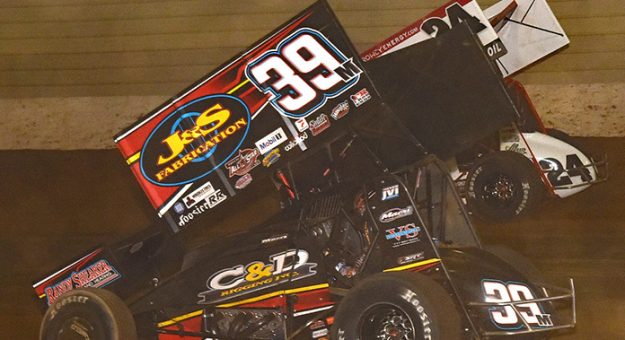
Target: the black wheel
(503, 185)
(397, 306)
(88, 313)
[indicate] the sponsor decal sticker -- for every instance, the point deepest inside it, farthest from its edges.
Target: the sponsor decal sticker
(395, 213)
(244, 181)
(271, 158)
(390, 193)
(403, 235)
(216, 198)
(410, 258)
(272, 140)
(293, 143)
(241, 164)
(209, 202)
(340, 110)
(274, 238)
(96, 275)
(319, 333)
(319, 124)
(360, 97)
(301, 124)
(287, 266)
(317, 325)
(177, 151)
(179, 208)
(197, 211)
(198, 195)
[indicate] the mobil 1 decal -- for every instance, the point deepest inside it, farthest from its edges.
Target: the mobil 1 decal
(303, 71)
(209, 130)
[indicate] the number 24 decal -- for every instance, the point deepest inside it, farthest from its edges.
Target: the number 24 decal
(302, 73)
(505, 317)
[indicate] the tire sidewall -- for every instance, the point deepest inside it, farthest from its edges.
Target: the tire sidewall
(389, 291)
(85, 306)
(518, 170)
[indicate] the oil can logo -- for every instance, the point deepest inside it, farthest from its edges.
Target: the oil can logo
(195, 140)
(287, 266)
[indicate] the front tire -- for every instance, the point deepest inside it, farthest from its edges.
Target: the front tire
(503, 185)
(88, 313)
(406, 306)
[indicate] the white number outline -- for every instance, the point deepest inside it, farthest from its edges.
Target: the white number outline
(325, 96)
(494, 312)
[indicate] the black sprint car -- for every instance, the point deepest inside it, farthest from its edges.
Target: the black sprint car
(353, 231)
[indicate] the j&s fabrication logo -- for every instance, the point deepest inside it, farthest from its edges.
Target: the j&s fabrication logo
(195, 140)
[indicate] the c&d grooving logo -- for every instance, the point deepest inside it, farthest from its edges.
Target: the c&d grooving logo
(195, 140)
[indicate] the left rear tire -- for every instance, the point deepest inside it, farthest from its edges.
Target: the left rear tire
(88, 313)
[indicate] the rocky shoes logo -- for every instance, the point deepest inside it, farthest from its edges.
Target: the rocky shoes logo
(178, 149)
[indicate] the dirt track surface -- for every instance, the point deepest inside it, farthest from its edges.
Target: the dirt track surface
(55, 206)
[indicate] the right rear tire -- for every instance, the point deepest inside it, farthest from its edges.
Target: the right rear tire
(503, 185)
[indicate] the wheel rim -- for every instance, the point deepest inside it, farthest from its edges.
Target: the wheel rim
(386, 322)
(76, 328)
(499, 190)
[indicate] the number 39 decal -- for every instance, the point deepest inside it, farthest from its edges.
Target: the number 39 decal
(505, 317)
(302, 73)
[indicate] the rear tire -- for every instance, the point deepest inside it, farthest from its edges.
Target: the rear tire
(503, 185)
(397, 306)
(88, 313)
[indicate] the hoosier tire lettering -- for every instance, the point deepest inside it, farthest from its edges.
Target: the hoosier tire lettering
(503, 185)
(402, 305)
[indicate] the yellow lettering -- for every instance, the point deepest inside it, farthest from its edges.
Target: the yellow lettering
(176, 145)
(161, 175)
(177, 164)
(179, 140)
(215, 116)
(207, 122)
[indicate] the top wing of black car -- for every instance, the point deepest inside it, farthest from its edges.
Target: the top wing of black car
(274, 100)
